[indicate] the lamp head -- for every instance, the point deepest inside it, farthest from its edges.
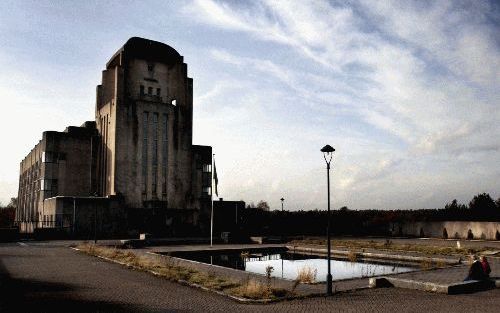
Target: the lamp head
(328, 154)
(327, 149)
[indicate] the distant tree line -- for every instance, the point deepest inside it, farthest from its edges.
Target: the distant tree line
(259, 220)
(8, 213)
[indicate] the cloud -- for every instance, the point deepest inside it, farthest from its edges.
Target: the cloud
(425, 74)
(406, 91)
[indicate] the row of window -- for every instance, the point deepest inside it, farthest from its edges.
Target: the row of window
(48, 220)
(53, 157)
(48, 184)
(159, 133)
(150, 91)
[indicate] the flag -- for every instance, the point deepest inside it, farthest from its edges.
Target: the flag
(216, 180)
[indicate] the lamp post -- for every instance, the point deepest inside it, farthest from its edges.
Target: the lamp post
(328, 154)
(282, 199)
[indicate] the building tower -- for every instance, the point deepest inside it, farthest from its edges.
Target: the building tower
(135, 167)
(144, 113)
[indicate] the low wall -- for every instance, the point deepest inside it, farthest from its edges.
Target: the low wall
(451, 229)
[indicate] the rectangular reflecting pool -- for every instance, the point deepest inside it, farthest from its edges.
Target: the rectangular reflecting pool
(287, 265)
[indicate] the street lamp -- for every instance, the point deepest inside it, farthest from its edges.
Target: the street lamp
(328, 154)
(282, 199)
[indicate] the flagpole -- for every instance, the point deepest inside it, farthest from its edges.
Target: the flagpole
(212, 204)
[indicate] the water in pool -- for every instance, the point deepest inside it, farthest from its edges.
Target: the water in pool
(286, 265)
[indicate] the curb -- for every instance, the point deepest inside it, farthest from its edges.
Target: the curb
(397, 257)
(451, 289)
(197, 286)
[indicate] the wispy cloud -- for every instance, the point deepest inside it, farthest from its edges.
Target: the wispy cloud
(407, 91)
(426, 74)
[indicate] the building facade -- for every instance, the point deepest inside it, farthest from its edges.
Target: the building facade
(139, 149)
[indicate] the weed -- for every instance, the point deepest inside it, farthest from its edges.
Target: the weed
(352, 256)
(269, 271)
(440, 263)
(244, 254)
(252, 290)
(426, 264)
(307, 275)
(173, 271)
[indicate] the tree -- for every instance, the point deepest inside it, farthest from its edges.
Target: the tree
(12, 203)
(482, 202)
(262, 205)
(483, 207)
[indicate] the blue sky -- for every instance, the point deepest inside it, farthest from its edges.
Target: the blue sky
(407, 92)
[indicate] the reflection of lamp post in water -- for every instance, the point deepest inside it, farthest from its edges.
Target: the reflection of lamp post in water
(281, 266)
(328, 154)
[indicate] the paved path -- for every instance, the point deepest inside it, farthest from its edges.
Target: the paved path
(52, 278)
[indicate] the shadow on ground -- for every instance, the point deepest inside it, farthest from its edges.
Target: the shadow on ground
(23, 295)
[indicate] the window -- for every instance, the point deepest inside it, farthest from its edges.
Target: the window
(206, 179)
(48, 184)
(151, 67)
(150, 91)
(48, 157)
(144, 151)
(207, 191)
(142, 90)
(164, 152)
(154, 173)
(207, 168)
(158, 92)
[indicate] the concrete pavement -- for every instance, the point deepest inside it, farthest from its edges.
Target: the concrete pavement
(52, 278)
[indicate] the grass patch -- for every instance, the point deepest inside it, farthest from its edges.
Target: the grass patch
(389, 245)
(253, 289)
(167, 268)
(426, 264)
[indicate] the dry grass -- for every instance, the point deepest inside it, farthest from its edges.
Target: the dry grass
(426, 264)
(168, 269)
(253, 289)
(307, 275)
(440, 264)
(391, 246)
(352, 256)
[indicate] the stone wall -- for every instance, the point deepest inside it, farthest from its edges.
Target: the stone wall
(451, 229)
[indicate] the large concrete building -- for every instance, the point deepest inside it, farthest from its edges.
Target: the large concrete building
(138, 152)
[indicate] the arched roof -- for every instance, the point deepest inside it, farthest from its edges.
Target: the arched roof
(146, 49)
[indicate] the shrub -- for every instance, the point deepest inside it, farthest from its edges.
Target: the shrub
(307, 275)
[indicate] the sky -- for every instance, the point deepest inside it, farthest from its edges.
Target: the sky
(407, 92)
